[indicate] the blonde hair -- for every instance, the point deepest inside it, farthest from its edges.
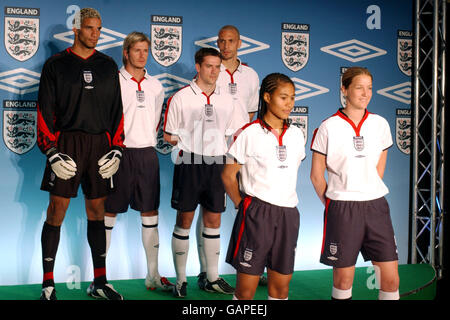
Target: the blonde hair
(84, 14)
(131, 39)
(352, 72)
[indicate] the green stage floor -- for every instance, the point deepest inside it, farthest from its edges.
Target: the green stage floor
(417, 282)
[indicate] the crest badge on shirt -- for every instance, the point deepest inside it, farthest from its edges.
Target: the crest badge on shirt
(358, 143)
(403, 130)
(281, 153)
(166, 39)
(21, 32)
(294, 45)
(299, 118)
(140, 98)
(88, 79)
(19, 125)
(404, 51)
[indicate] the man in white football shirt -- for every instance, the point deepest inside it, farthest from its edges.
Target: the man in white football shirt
(242, 82)
(199, 117)
(137, 181)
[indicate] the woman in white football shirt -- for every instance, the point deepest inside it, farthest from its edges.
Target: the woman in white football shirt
(351, 146)
(267, 152)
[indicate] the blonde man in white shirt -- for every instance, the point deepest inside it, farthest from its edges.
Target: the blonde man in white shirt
(137, 182)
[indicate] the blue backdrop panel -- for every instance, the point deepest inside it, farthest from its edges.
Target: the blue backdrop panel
(312, 42)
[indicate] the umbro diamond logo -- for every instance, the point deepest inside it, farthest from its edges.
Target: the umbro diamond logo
(248, 45)
(171, 83)
(20, 81)
(108, 38)
(353, 50)
(400, 92)
(305, 89)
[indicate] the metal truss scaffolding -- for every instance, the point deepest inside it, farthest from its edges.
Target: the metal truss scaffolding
(427, 199)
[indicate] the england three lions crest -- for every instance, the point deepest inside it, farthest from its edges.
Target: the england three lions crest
(19, 126)
(166, 39)
(404, 51)
(403, 130)
(21, 32)
(299, 118)
(294, 45)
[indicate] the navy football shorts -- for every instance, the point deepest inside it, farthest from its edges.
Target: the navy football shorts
(264, 235)
(85, 149)
(351, 227)
(136, 183)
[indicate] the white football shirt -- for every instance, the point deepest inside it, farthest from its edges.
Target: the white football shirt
(243, 85)
(201, 122)
(352, 155)
(269, 162)
(142, 104)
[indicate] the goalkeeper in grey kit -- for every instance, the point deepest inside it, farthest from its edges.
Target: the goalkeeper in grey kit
(80, 130)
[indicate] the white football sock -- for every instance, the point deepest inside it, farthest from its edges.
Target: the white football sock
(180, 249)
(200, 247)
(339, 294)
(109, 225)
(384, 295)
(211, 245)
(150, 240)
(271, 298)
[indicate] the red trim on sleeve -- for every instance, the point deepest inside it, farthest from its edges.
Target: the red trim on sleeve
(314, 137)
(45, 138)
(119, 135)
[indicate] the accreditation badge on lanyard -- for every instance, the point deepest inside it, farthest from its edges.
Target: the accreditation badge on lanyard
(209, 112)
(140, 97)
(232, 88)
(281, 153)
(358, 143)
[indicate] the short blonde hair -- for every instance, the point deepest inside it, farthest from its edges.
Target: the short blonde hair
(84, 13)
(131, 39)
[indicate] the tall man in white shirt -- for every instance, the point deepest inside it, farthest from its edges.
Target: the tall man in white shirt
(137, 181)
(242, 82)
(198, 119)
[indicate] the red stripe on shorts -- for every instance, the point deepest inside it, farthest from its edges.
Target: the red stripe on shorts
(246, 203)
(327, 203)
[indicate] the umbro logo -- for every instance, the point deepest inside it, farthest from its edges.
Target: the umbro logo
(108, 38)
(353, 50)
(20, 81)
(400, 92)
(171, 83)
(305, 89)
(248, 45)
